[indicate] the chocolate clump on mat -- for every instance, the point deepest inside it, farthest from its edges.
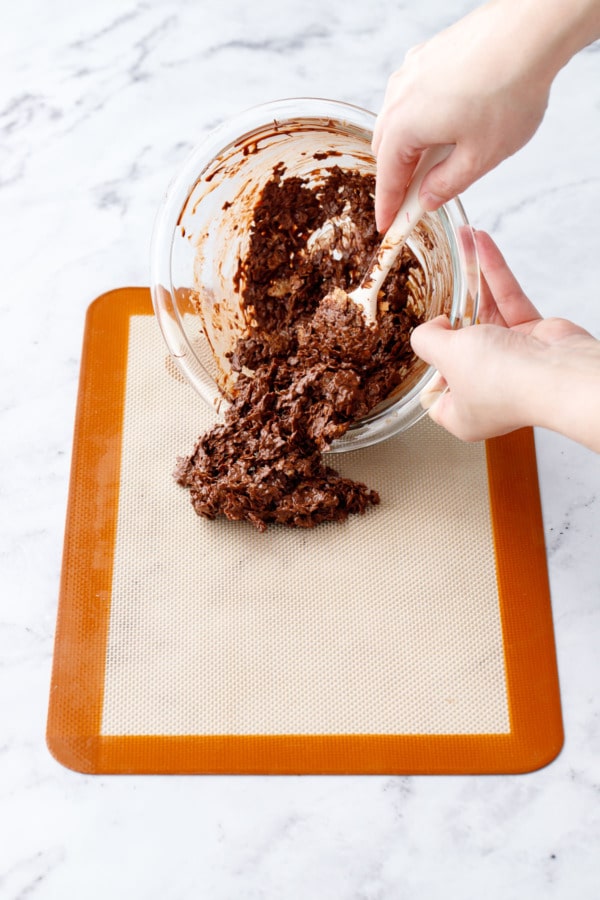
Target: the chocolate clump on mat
(317, 366)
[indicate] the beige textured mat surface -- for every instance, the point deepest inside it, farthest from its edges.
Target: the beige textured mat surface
(376, 645)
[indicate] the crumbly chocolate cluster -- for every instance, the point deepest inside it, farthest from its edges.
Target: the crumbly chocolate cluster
(316, 365)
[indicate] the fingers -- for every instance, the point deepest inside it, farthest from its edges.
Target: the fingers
(449, 178)
(430, 341)
(435, 342)
(434, 390)
(377, 133)
(395, 166)
(488, 312)
(396, 161)
(397, 157)
(501, 289)
(502, 302)
(443, 412)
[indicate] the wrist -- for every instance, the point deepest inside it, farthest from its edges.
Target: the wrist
(563, 394)
(548, 33)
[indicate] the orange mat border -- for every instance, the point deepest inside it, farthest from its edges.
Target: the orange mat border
(76, 695)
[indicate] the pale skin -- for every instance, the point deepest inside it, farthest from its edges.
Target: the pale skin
(514, 369)
(482, 86)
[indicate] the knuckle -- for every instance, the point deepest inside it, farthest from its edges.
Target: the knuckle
(413, 52)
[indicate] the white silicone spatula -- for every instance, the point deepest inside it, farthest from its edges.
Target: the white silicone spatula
(365, 295)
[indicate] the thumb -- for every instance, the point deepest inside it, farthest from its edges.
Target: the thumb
(431, 339)
(449, 178)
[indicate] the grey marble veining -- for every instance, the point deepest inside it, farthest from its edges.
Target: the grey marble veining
(99, 105)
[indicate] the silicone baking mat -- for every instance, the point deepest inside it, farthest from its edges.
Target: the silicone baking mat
(414, 639)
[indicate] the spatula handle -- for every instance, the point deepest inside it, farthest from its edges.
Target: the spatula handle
(407, 216)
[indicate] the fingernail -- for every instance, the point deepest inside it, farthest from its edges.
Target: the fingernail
(430, 201)
(428, 398)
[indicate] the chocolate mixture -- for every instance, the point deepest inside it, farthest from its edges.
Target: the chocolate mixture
(317, 366)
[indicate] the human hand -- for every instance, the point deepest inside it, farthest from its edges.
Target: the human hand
(513, 369)
(481, 85)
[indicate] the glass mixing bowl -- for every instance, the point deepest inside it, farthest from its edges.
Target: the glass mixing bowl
(202, 231)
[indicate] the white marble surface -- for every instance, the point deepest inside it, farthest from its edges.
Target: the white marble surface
(99, 103)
